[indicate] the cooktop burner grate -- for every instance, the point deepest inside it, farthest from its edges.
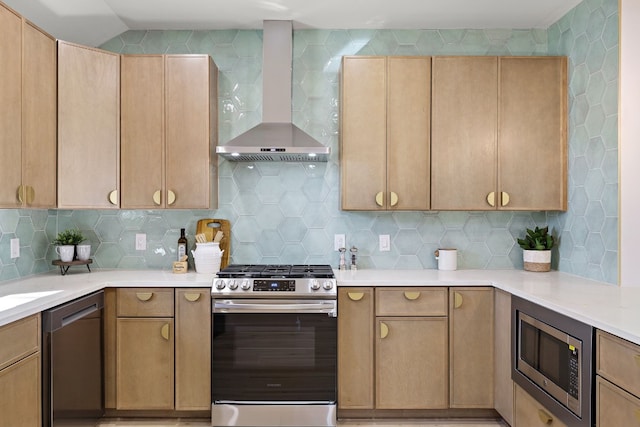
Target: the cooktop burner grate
(275, 270)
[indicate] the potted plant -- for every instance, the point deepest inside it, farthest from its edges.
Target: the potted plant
(66, 242)
(536, 247)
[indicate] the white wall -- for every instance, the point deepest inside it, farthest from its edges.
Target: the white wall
(629, 148)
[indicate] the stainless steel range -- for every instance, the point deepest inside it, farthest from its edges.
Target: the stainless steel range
(274, 346)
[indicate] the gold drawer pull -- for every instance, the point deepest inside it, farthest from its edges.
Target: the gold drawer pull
(380, 199)
(157, 197)
(544, 417)
(637, 358)
(144, 296)
(457, 300)
(637, 414)
(165, 331)
(411, 296)
(355, 296)
(384, 330)
(192, 297)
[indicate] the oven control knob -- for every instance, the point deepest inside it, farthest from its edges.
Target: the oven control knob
(328, 284)
(233, 285)
(220, 284)
(246, 285)
(315, 285)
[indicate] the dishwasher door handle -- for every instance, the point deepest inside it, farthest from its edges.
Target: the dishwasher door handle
(67, 320)
(65, 314)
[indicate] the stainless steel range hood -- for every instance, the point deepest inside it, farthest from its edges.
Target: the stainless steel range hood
(276, 138)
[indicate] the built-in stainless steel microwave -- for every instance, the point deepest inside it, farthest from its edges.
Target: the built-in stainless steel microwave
(552, 360)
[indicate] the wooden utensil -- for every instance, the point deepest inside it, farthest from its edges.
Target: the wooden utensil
(211, 227)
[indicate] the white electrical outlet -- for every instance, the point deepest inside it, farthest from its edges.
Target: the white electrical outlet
(385, 243)
(339, 241)
(141, 242)
(15, 248)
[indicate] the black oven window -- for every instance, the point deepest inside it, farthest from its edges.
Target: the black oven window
(274, 347)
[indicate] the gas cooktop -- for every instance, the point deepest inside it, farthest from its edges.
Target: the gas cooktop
(275, 280)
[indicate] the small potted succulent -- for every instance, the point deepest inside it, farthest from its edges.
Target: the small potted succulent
(536, 247)
(66, 242)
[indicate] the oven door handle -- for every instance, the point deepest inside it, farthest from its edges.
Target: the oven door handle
(275, 306)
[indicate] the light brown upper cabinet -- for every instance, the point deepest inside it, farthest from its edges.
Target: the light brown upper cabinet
(499, 133)
(27, 114)
(169, 126)
(88, 127)
(384, 139)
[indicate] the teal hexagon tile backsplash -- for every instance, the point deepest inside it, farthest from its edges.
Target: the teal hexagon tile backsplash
(288, 212)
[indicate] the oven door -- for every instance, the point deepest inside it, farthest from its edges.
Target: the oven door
(274, 351)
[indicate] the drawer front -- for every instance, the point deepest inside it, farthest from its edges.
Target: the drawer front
(530, 413)
(145, 302)
(411, 301)
(615, 407)
(19, 339)
(618, 361)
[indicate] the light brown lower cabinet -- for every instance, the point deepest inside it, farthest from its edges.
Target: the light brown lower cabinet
(158, 344)
(614, 406)
(20, 389)
(411, 363)
(530, 413)
(503, 384)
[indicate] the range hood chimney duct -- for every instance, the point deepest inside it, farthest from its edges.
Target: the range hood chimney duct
(276, 138)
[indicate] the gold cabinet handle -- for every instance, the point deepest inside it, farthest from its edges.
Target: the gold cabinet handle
(411, 296)
(157, 197)
(165, 331)
(113, 197)
(637, 414)
(384, 330)
(192, 297)
(504, 197)
(144, 296)
(545, 418)
(491, 199)
(380, 199)
(19, 194)
(355, 296)
(171, 197)
(31, 194)
(637, 359)
(457, 300)
(394, 199)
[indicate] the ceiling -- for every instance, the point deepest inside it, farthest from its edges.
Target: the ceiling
(92, 22)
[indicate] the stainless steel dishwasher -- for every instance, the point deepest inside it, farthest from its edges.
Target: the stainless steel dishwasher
(72, 361)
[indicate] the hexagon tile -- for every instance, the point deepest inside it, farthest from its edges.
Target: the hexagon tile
(289, 212)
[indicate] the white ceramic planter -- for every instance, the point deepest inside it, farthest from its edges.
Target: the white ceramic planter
(536, 260)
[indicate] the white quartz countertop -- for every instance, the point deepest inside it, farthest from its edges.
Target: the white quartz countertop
(604, 306)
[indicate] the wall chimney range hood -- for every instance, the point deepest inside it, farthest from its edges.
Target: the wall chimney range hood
(276, 138)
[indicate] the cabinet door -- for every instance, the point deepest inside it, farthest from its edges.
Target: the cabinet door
(39, 115)
(411, 363)
(191, 129)
(142, 133)
(530, 413)
(20, 397)
(363, 132)
(88, 127)
(355, 348)
(193, 349)
(503, 384)
(614, 406)
(463, 139)
(408, 132)
(533, 132)
(144, 363)
(10, 107)
(471, 347)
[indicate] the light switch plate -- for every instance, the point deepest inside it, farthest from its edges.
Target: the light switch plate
(15, 248)
(385, 243)
(141, 242)
(339, 241)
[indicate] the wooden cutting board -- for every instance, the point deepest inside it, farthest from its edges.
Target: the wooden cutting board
(209, 227)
